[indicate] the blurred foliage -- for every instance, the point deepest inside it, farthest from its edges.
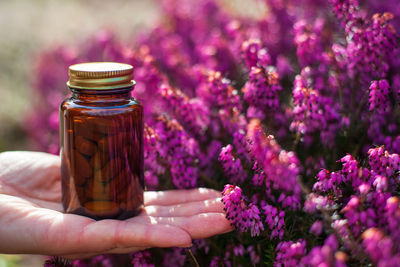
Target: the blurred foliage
(9, 260)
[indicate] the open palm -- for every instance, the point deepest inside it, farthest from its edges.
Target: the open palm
(31, 218)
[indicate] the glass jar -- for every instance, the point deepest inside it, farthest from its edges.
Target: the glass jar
(101, 143)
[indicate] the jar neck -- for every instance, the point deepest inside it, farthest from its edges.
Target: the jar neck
(108, 95)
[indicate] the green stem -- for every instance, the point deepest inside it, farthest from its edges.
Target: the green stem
(193, 257)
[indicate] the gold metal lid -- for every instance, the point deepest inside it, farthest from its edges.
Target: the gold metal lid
(100, 75)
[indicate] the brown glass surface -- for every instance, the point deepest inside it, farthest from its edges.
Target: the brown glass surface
(101, 147)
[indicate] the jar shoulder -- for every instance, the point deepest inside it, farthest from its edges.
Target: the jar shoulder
(71, 104)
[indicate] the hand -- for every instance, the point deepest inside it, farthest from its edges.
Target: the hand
(32, 222)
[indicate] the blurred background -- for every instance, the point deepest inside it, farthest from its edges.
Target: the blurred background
(28, 27)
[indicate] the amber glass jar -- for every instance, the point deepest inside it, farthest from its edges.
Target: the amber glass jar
(101, 142)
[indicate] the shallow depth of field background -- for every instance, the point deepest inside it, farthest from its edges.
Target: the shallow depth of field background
(28, 27)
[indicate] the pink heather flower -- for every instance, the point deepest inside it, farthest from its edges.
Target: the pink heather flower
(174, 257)
(380, 248)
(192, 113)
(316, 202)
(382, 162)
(152, 167)
(345, 9)
(316, 228)
(179, 150)
(222, 93)
(238, 250)
(308, 42)
(275, 220)
(254, 54)
(218, 261)
(56, 261)
(392, 215)
(325, 255)
(242, 215)
(380, 183)
(232, 166)
(379, 96)
(252, 216)
(351, 212)
(259, 176)
(254, 257)
(281, 168)
(290, 254)
(350, 170)
(223, 100)
(142, 259)
(262, 88)
(241, 144)
(200, 244)
(370, 42)
(313, 113)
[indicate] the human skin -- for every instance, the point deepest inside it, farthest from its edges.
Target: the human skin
(32, 221)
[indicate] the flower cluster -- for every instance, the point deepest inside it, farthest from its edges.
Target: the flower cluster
(177, 150)
(261, 90)
(379, 95)
(265, 107)
(313, 113)
(142, 259)
(290, 253)
(275, 220)
(242, 215)
(191, 112)
(281, 168)
(370, 41)
(370, 210)
(382, 120)
(232, 167)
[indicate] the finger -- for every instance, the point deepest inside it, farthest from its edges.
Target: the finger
(123, 234)
(32, 230)
(185, 209)
(173, 197)
(198, 226)
(106, 235)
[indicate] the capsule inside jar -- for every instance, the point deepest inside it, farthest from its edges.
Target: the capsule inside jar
(101, 143)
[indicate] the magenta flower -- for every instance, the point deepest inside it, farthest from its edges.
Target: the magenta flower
(232, 166)
(242, 215)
